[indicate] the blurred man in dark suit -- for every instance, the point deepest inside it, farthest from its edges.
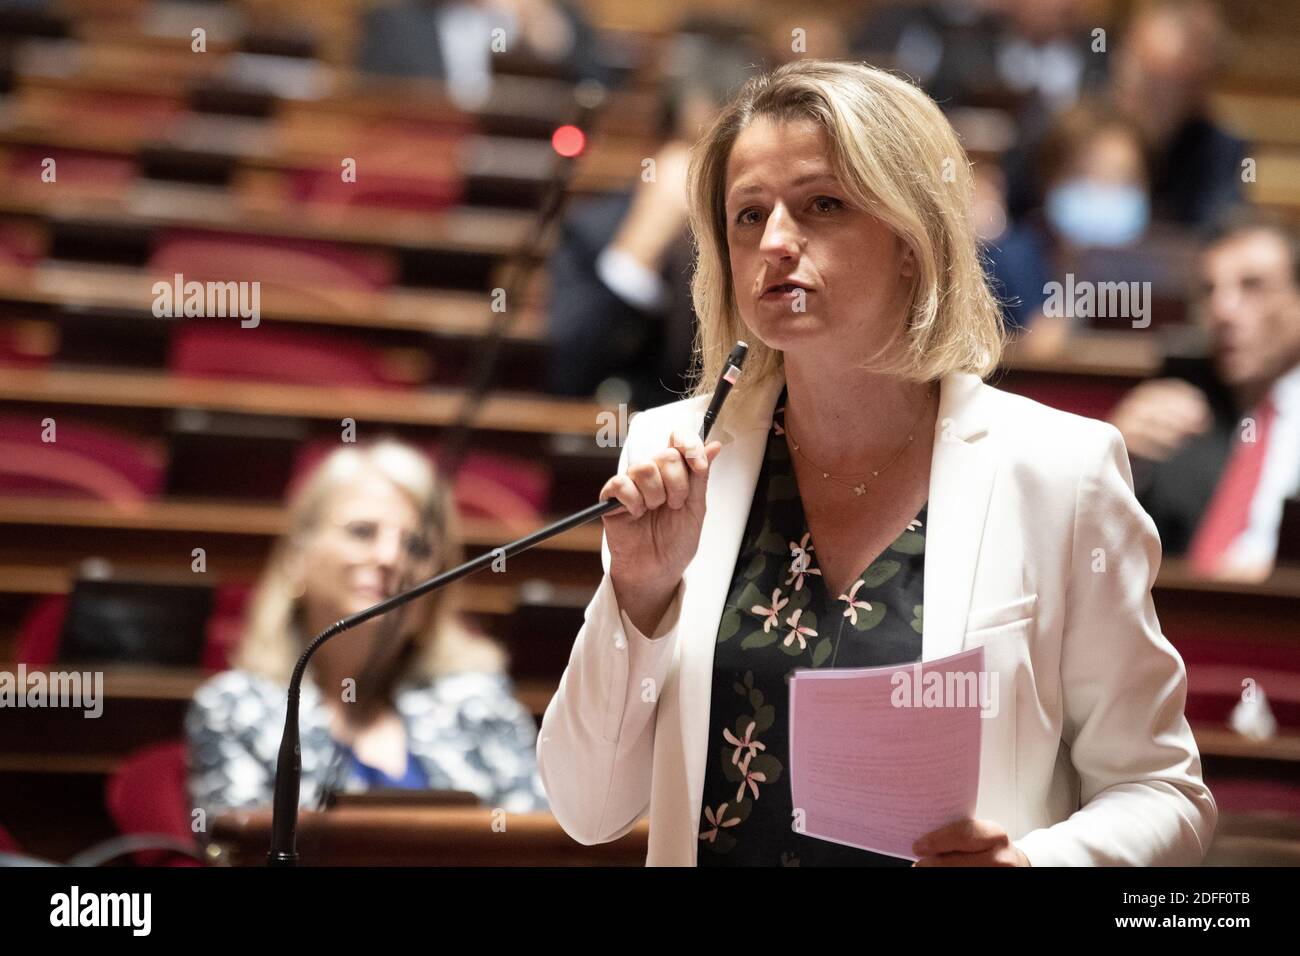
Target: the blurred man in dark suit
(1034, 58)
(1213, 462)
(452, 41)
(620, 304)
(1166, 65)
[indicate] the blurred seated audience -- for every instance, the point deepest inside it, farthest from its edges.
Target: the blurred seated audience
(1032, 58)
(1095, 195)
(1165, 68)
(620, 309)
(410, 700)
(1214, 461)
(452, 41)
(1166, 62)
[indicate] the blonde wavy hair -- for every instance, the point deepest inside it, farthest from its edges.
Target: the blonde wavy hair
(898, 157)
(435, 639)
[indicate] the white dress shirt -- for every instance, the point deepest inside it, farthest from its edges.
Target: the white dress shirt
(1279, 479)
(632, 282)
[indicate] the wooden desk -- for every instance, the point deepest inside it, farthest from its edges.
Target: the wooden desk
(1192, 609)
(1224, 742)
(141, 706)
(524, 106)
(1088, 378)
(264, 520)
(44, 539)
(157, 206)
(258, 152)
(452, 836)
(77, 287)
(1255, 839)
(437, 407)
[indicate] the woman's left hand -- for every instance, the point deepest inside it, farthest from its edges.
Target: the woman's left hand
(968, 843)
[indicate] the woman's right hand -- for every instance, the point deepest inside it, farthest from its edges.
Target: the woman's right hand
(654, 535)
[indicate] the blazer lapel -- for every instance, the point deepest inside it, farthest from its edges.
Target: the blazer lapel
(732, 478)
(961, 480)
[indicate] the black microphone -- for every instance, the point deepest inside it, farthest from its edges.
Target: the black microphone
(730, 374)
(288, 771)
(590, 97)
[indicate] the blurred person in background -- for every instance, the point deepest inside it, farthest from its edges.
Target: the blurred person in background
(433, 709)
(947, 47)
(620, 306)
(1165, 62)
(1214, 465)
(451, 40)
(1036, 57)
(1165, 67)
(1096, 195)
(1027, 62)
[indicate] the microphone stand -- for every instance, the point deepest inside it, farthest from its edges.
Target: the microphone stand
(288, 774)
(590, 96)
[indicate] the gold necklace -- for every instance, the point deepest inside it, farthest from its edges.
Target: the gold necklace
(860, 488)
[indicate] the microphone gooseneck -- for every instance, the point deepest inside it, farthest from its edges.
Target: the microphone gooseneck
(288, 772)
(518, 269)
(590, 97)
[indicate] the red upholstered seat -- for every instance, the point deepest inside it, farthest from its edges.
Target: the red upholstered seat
(147, 794)
(38, 634)
(148, 115)
(1255, 795)
(410, 193)
(226, 626)
(1216, 671)
(504, 488)
(7, 843)
(291, 356)
(21, 244)
(84, 461)
(299, 263)
(106, 172)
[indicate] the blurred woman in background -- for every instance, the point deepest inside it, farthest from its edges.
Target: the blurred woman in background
(408, 700)
(1096, 195)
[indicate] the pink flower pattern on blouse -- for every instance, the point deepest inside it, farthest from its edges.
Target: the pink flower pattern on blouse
(779, 617)
(801, 561)
(851, 612)
(749, 745)
(771, 615)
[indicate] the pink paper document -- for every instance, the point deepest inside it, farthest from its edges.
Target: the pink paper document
(880, 756)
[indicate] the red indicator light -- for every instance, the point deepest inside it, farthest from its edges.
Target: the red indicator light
(568, 141)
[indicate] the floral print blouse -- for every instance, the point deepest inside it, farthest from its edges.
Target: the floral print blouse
(779, 617)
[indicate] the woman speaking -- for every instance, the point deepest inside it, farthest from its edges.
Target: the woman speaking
(869, 501)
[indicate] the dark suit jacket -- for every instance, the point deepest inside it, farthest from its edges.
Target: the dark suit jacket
(1176, 492)
(402, 40)
(593, 334)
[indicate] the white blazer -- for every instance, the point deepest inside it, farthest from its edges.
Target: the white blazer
(1036, 548)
